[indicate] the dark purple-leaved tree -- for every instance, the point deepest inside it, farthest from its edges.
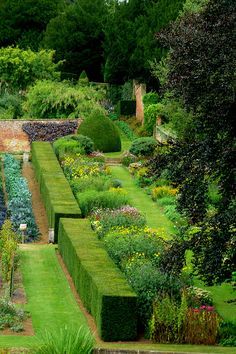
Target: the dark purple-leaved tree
(201, 72)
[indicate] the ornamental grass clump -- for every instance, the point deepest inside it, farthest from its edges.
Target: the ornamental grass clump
(103, 220)
(65, 340)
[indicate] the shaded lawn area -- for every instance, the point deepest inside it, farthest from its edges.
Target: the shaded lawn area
(139, 199)
(50, 300)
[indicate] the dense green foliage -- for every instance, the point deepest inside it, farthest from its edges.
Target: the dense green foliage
(90, 200)
(143, 146)
(23, 21)
(126, 108)
(55, 190)
(130, 37)
(21, 68)
(102, 288)
(204, 82)
(102, 131)
(77, 36)
(73, 144)
(11, 316)
(51, 99)
(19, 197)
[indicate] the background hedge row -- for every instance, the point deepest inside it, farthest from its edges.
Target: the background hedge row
(54, 187)
(102, 287)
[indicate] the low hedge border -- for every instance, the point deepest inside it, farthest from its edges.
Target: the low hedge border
(102, 287)
(54, 187)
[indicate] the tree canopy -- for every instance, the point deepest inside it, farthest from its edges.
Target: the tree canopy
(201, 72)
(23, 21)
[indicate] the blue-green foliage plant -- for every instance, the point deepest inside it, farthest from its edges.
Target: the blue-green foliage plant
(19, 197)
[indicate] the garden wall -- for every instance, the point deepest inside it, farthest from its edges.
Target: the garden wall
(14, 139)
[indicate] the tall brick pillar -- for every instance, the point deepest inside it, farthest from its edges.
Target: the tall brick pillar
(139, 91)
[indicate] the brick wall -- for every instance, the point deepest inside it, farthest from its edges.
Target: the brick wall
(12, 137)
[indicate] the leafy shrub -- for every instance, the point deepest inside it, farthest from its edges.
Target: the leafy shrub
(73, 144)
(172, 213)
(163, 191)
(65, 340)
(8, 251)
(11, 316)
(20, 68)
(150, 117)
(150, 98)
(51, 99)
(90, 200)
(126, 129)
(19, 196)
(83, 79)
(197, 297)
(164, 201)
(102, 131)
(38, 131)
(127, 91)
(96, 183)
(143, 146)
(227, 334)
(128, 158)
(10, 106)
(103, 220)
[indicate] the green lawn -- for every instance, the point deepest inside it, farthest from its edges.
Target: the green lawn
(139, 199)
(50, 300)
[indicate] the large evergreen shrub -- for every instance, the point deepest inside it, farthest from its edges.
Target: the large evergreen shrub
(102, 131)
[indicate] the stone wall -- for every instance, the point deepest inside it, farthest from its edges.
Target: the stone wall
(12, 137)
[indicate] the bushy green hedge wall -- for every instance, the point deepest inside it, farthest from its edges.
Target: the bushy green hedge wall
(55, 189)
(101, 286)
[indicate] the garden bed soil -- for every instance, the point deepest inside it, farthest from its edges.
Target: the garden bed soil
(37, 203)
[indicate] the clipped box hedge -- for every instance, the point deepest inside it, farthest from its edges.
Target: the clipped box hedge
(100, 284)
(126, 108)
(58, 198)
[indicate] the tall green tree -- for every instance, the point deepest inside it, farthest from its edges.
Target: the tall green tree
(23, 21)
(77, 37)
(201, 72)
(130, 37)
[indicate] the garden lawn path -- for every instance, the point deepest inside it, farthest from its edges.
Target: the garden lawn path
(139, 199)
(50, 300)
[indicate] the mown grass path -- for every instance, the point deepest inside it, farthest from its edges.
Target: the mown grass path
(154, 214)
(50, 300)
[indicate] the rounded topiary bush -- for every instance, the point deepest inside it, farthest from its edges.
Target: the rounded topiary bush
(143, 146)
(73, 144)
(102, 131)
